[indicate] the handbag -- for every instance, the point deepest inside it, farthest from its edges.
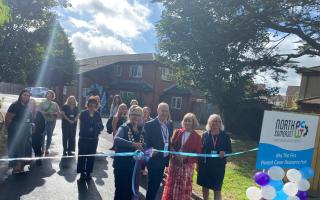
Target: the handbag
(109, 125)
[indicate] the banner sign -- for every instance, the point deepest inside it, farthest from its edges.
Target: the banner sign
(287, 140)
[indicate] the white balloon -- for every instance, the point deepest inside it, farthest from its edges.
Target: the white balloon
(294, 175)
(293, 198)
(303, 185)
(253, 193)
(276, 173)
(268, 192)
(291, 189)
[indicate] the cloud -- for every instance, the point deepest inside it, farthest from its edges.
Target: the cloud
(88, 45)
(102, 27)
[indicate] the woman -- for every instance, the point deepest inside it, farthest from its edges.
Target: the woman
(38, 129)
(90, 128)
(146, 114)
(129, 138)
(134, 102)
(211, 170)
(50, 111)
(119, 118)
(18, 124)
(115, 105)
(179, 181)
(70, 115)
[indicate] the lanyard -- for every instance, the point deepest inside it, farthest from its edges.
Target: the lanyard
(165, 134)
(214, 140)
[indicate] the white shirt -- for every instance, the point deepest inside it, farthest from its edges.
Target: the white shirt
(185, 137)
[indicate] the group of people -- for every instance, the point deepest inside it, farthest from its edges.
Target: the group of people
(133, 129)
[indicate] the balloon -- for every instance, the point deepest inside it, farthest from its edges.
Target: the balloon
(268, 192)
(294, 175)
(261, 178)
(307, 172)
(253, 193)
(291, 189)
(276, 173)
(303, 185)
(293, 198)
(277, 184)
(302, 195)
(281, 195)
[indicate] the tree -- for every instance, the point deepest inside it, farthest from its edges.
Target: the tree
(24, 42)
(201, 40)
(4, 13)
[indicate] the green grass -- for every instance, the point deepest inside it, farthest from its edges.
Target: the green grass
(239, 171)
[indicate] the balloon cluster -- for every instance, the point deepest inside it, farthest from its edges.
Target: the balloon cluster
(272, 185)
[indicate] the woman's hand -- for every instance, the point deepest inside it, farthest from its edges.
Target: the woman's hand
(221, 154)
(137, 145)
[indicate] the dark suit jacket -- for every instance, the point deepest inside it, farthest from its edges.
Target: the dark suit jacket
(153, 139)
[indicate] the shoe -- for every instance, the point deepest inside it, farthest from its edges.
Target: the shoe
(64, 153)
(70, 153)
(38, 162)
(88, 177)
(46, 153)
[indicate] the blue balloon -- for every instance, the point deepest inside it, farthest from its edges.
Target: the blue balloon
(307, 172)
(277, 184)
(281, 195)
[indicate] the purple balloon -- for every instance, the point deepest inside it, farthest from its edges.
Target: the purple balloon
(261, 178)
(303, 195)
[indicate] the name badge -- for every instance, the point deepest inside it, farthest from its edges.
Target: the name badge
(166, 148)
(214, 152)
(71, 115)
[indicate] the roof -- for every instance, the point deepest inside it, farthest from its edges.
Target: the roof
(176, 90)
(89, 64)
(313, 100)
(308, 69)
(132, 85)
(292, 90)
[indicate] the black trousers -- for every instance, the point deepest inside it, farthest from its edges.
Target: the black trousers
(123, 183)
(155, 176)
(69, 137)
(37, 140)
(85, 147)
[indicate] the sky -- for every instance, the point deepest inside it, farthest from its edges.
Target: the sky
(109, 27)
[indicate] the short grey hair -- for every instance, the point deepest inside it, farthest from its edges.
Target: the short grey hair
(211, 119)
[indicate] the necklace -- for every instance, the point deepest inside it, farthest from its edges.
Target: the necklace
(131, 137)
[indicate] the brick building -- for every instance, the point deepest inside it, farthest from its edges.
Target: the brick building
(136, 76)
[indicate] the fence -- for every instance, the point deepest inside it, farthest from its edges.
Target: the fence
(11, 88)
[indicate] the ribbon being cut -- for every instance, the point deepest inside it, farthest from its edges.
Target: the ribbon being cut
(141, 158)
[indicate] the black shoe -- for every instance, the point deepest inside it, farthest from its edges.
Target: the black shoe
(88, 177)
(38, 162)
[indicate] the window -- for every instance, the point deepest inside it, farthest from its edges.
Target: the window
(166, 73)
(135, 71)
(128, 95)
(118, 70)
(176, 103)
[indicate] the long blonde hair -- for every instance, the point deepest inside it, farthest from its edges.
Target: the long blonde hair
(120, 110)
(68, 101)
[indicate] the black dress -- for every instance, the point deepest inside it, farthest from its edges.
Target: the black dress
(19, 132)
(69, 130)
(123, 166)
(90, 128)
(211, 170)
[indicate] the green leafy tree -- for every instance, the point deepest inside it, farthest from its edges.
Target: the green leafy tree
(4, 13)
(201, 40)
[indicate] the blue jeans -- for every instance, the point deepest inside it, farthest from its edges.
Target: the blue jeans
(49, 131)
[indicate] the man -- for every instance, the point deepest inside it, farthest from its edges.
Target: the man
(158, 133)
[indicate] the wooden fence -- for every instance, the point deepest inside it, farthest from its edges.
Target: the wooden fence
(11, 88)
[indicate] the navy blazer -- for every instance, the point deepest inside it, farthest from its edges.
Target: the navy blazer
(153, 139)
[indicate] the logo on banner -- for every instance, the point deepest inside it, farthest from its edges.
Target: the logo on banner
(290, 128)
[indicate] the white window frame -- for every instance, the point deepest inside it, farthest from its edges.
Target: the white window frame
(174, 103)
(136, 71)
(166, 73)
(118, 70)
(126, 94)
